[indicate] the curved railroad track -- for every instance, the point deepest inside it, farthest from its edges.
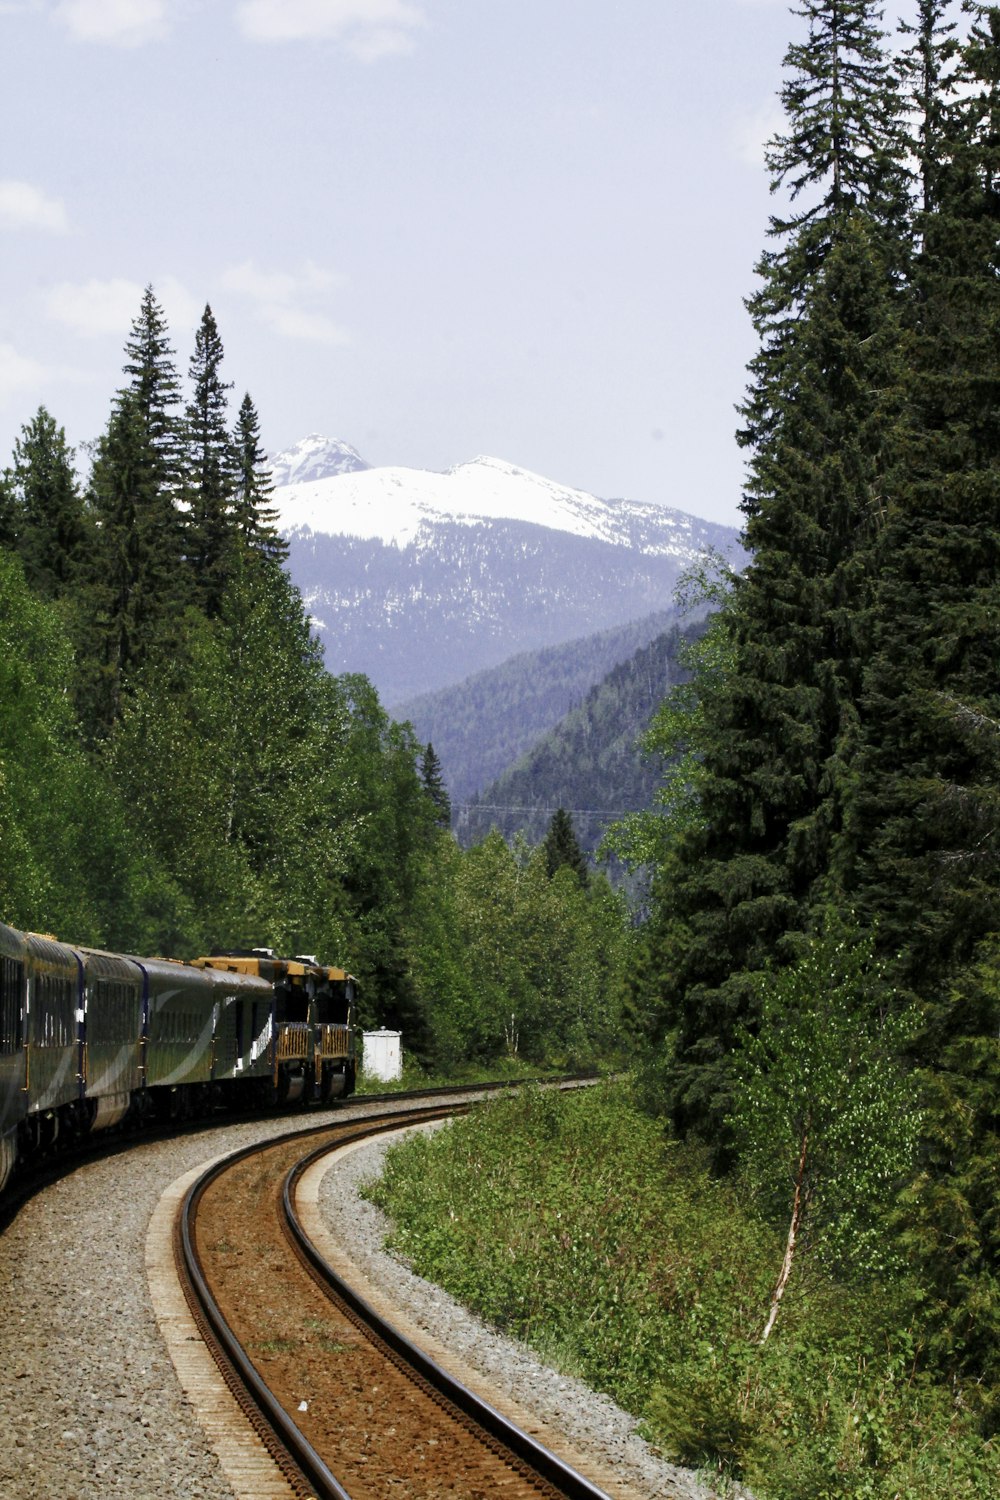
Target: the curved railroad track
(345, 1404)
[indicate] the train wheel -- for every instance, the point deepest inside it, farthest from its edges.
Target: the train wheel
(8, 1156)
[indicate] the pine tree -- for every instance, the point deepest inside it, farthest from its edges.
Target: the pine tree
(561, 847)
(929, 80)
(210, 469)
(131, 601)
(155, 392)
(924, 817)
(923, 858)
(256, 517)
(51, 524)
(781, 726)
(433, 783)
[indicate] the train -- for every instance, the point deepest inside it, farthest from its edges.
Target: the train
(91, 1040)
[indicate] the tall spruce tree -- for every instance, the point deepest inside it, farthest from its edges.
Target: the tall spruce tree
(923, 834)
(210, 469)
(923, 855)
(256, 516)
(740, 887)
(155, 392)
(432, 779)
(130, 605)
(928, 77)
(131, 601)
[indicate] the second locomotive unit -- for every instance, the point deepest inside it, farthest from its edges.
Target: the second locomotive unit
(90, 1039)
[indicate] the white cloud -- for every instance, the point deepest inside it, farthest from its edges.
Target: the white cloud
(285, 301)
(120, 23)
(94, 308)
(182, 308)
(23, 206)
(278, 286)
(369, 28)
(18, 373)
(298, 323)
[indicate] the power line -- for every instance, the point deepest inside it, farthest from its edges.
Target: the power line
(577, 812)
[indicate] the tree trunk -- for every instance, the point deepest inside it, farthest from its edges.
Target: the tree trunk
(793, 1230)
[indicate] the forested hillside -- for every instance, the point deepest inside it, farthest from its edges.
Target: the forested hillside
(590, 761)
(480, 727)
(179, 771)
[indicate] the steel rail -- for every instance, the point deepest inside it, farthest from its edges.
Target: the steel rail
(272, 1420)
(566, 1480)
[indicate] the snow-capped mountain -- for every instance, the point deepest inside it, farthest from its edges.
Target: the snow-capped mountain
(402, 505)
(315, 457)
(418, 579)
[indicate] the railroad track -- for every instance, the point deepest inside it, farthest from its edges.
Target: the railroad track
(346, 1405)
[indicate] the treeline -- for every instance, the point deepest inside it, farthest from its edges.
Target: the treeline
(179, 772)
(821, 980)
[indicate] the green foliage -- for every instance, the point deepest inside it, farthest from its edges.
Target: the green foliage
(822, 1101)
(570, 1221)
(677, 735)
(948, 1223)
(511, 961)
(48, 517)
(8, 511)
(561, 849)
(69, 863)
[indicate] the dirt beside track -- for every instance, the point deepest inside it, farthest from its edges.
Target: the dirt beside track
(376, 1428)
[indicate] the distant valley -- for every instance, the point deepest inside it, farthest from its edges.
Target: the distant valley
(486, 603)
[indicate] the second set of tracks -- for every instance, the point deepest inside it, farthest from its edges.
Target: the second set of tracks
(348, 1407)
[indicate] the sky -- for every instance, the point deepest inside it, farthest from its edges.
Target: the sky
(434, 229)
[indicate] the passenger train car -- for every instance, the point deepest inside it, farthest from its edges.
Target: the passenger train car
(90, 1039)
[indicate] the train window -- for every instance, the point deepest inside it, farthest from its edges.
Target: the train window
(11, 992)
(54, 1011)
(116, 1002)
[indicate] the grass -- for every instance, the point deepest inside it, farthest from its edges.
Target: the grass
(506, 1070)
(573, 1222)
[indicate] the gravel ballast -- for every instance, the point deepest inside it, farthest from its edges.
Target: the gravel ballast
(90, 1405)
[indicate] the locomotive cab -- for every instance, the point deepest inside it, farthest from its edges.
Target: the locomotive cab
(310, 1042)
(334, 1033)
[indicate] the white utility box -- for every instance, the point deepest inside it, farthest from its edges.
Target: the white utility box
(382, 1055)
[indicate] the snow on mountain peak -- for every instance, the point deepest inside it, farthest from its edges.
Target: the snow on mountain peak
(404, 506)
(315, 457)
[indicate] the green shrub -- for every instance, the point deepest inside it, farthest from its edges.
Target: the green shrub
(574, 1222)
